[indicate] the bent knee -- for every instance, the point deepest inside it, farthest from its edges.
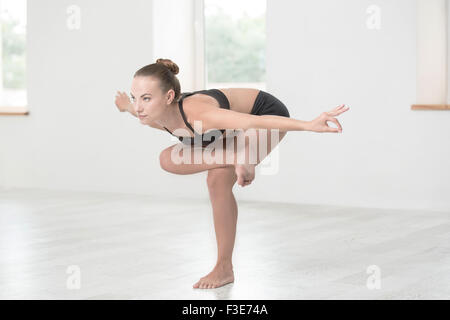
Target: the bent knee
(165, 161)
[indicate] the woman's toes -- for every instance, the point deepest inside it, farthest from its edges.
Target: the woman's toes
(199, 284)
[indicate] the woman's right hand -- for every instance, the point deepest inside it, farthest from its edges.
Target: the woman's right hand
(123, 102)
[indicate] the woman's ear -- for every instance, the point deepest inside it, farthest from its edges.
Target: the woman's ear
(170, 96)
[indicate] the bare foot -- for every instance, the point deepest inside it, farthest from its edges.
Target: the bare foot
(245, 174)
(219, 276)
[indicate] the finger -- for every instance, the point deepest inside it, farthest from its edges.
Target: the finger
(336, 110)
(342, 110)
(334, 130)
(338, 124)
(339, 127)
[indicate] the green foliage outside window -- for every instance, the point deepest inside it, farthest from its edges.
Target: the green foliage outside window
(235, 48)
(13, 55)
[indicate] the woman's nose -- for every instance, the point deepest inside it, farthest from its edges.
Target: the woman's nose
(139, 108)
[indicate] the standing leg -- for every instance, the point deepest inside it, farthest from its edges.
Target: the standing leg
(220, 184)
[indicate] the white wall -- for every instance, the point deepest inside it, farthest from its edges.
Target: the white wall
(74, 137)
(174, 35)
(319, 54)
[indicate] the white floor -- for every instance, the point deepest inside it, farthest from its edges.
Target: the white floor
(141, 247)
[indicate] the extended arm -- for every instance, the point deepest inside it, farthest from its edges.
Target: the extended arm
(130, 109)
(228, 119)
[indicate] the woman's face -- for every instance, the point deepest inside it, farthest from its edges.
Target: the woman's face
(149, 101)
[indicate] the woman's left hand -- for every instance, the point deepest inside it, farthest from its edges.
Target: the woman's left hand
(320, 123)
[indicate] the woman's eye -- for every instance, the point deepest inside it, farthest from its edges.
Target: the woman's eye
(146, 98)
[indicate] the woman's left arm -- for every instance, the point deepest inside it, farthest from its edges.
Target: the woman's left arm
(229, 119)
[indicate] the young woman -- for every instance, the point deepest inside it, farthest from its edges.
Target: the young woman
(158, 102)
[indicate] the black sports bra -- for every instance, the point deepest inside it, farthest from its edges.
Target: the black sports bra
(210, 136)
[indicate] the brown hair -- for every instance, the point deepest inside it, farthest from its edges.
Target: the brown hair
(164, 70)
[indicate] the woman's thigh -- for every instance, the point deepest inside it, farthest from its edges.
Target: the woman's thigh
(265, 142)
(196, 159)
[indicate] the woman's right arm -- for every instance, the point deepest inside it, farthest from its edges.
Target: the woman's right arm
(229, 119)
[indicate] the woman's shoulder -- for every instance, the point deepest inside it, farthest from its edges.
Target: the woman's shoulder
(195, 109)
(193, 100)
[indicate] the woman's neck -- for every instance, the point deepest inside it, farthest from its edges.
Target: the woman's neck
(172, 118)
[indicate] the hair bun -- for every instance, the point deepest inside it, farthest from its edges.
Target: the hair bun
(169, 64)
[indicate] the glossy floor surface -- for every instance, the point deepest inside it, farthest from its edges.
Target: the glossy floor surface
(82, 245)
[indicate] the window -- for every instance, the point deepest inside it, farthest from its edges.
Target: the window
(432, 55)
(235, 39)
(13, 96)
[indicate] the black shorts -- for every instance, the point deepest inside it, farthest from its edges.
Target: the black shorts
(267, 104)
